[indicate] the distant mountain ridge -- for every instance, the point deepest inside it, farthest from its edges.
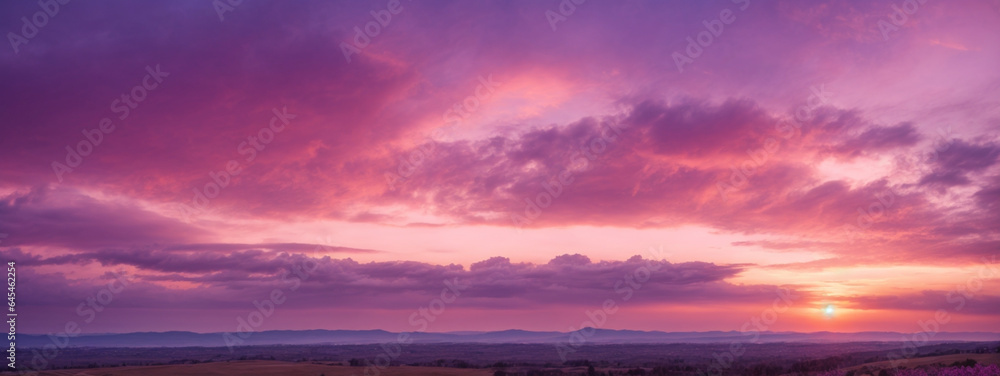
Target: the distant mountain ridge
(361, 337)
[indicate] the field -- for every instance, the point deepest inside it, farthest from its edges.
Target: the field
(511, 359)
(280, 368)
(931, 360)
(262, 368)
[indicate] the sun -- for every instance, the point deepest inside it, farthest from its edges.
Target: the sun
(828, 311)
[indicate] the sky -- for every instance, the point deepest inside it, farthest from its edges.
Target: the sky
(472, 165)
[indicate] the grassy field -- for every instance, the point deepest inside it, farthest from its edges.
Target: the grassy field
(261, 368)
(945, 359)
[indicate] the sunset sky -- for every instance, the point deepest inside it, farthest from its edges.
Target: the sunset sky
(537, 152)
